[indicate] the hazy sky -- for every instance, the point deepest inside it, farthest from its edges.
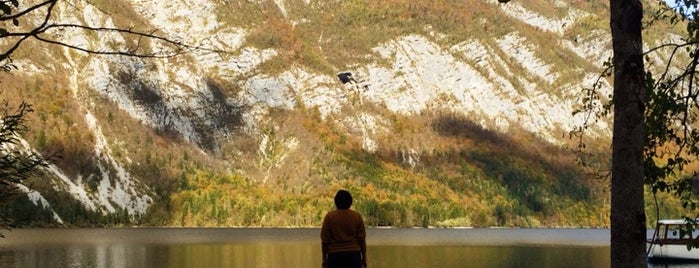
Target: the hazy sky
(671, 2)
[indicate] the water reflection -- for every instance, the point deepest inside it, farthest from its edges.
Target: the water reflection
(674, 265)
(474, 256)
(247, 255)
(117, 248)
(116, 256)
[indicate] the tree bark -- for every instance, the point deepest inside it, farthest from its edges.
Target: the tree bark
(628, 219)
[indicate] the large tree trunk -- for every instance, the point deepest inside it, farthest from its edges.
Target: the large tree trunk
(628, 218)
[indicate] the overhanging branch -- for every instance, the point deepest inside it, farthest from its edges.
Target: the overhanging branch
(39, 33)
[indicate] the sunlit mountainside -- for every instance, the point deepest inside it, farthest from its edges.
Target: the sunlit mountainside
(459, 114)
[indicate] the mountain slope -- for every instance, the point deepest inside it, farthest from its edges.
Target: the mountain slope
(460, 113)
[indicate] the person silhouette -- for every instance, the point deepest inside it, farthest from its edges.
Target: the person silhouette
(343, 235)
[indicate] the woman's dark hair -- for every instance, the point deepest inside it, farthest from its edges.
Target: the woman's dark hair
(343, 199)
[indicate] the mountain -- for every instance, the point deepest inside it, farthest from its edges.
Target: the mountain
(458, 113)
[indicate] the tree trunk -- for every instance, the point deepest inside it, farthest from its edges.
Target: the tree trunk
(628, 219)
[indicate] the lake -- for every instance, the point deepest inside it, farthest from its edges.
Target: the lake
(300, 247)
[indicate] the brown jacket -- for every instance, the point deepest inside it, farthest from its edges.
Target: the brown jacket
(343, 230)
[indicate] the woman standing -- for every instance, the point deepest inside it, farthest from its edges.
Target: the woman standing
(343, 236)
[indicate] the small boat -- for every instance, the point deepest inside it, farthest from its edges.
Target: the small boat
(674, 240)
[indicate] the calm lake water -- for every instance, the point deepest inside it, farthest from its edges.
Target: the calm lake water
(223, 247)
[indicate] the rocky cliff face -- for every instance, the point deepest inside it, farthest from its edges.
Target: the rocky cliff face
(521, 68)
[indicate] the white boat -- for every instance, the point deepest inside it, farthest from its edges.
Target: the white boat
(674, 240)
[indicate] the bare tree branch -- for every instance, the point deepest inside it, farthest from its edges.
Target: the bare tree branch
(7, 17)
(39, 33)
(52, 4)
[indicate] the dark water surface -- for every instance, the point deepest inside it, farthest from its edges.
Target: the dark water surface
(280, 247)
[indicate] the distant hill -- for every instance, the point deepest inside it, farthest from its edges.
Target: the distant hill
(458, 114)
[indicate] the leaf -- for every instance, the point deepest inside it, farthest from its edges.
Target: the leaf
(5, 8)
(15, 22)
(3, 32)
